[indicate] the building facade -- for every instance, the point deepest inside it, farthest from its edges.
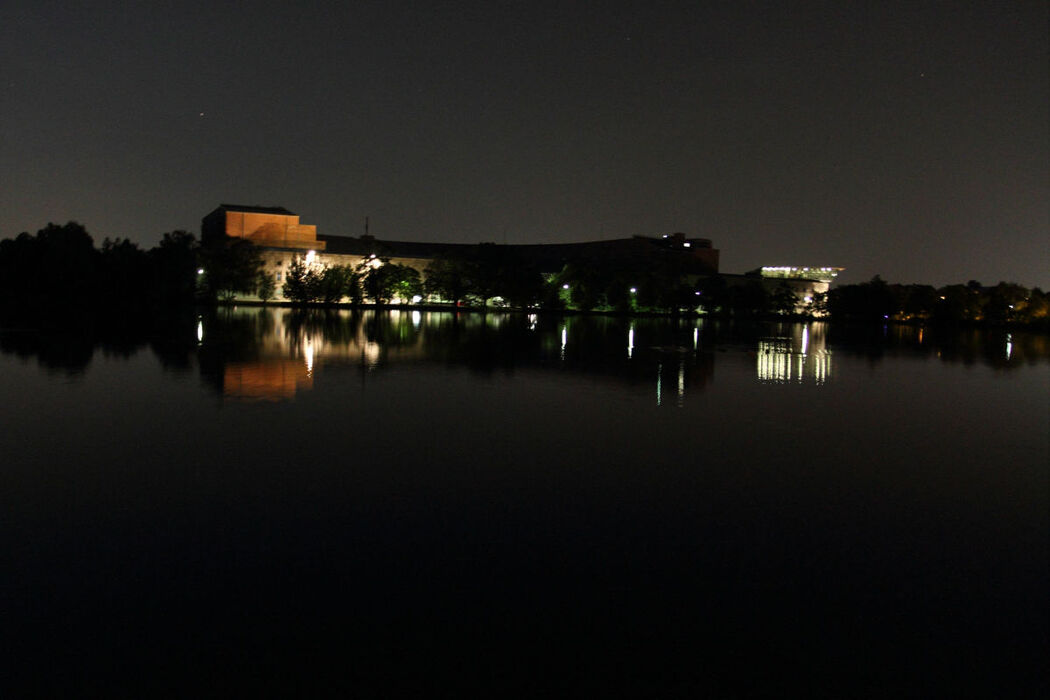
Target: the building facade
(282, 239)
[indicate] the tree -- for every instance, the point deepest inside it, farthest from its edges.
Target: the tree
(124, 273)
(265, 287)
(749, 298)
(337, 282)
(230, 266)
(449, 278)
(712, 296)
(385, 280)
(1004, 299)
(783, 300)
(174, 262)
(407, 284)
(302, 283)
(57, 266)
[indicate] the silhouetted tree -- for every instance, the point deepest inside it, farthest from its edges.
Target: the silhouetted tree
(448, 278)
(230, 266)
(126, 277)
(382, 281)
(58, 266)
(174, 265)
(337, 282)
(302, 283)
(783, 300)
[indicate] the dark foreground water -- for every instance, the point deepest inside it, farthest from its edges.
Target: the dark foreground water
(277, 503)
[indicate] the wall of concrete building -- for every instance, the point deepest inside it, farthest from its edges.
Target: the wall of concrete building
(276, 263)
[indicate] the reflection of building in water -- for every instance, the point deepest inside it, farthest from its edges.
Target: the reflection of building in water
(272, 379)
(289, 353)
(798, 358)
(274, 353)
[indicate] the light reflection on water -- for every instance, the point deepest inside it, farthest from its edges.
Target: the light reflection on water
(281, 340)
(793, 353)
(441, 486)
(801, 357)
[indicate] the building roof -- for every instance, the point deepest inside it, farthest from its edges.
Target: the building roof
(547, 256)
(255, 209)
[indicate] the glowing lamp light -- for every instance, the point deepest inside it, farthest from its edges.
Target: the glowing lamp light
(565, 286)
(634, 290)
(200, 271)
(687, 245)
(310, 255)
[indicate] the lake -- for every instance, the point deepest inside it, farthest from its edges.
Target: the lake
(372, 503)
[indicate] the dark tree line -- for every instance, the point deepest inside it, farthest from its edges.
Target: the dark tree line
(876, 299)
(60, 267)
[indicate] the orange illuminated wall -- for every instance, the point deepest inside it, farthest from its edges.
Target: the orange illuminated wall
(275, 228)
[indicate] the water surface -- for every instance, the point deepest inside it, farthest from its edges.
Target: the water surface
(279, 501)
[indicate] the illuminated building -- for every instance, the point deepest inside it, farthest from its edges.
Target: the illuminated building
(282, 239)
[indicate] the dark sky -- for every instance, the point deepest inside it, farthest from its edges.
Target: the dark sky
(907, 139)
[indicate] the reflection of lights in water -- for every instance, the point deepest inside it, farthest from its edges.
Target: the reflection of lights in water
(681, 382)
(308, 354)
(822, 368)
(772, 362)
(920, 336)
(564, 340)
(696, 338)
(200, 331)
(630, 342)
(417, 318)
(532, 322)
(1009, 345)
(777, 362)
(370, 352)
(659, 389)
(805, 339)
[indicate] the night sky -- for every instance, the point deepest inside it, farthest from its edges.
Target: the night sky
(906, 139)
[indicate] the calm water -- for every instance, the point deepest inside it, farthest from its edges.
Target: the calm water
(278, 502)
